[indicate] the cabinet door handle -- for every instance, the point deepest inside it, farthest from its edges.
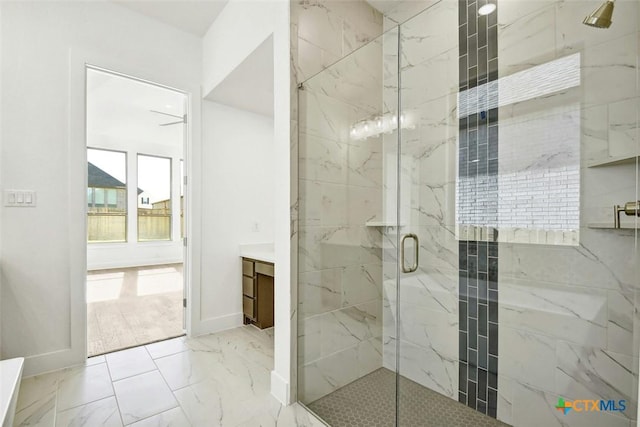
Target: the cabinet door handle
(414, 267)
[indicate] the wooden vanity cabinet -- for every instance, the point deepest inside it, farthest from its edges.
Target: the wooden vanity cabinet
(257, 292)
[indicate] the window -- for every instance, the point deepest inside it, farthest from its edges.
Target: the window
(112, 197)
(106, 196)
(154, 183)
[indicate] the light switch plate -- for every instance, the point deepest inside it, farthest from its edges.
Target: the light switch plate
(20, 198)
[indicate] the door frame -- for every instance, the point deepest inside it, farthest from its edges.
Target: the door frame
(79, 61)
(173, 230)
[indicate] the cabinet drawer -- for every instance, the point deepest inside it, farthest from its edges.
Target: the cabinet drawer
(247, 286)
(247, 268)
(265, 269)
(248, 307)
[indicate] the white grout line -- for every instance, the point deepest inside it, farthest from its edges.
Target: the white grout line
(114, 390)
(172, 391)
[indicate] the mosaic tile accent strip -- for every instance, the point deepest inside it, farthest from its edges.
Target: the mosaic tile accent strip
(370, 401)
(477, 199)
(478, 311)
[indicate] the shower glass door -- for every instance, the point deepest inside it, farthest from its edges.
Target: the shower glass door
(428, 342)
(459, 261)
(518, 136)
(347, 269)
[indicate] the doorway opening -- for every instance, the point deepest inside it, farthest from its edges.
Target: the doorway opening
(135, 134)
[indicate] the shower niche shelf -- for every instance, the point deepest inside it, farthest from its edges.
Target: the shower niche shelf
(615, 161)
(382, 224)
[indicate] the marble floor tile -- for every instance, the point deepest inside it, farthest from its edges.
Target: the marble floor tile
(167, 347)
(127, 363)
(217, 380)
(37, 401)
(252, 336)
(249, 342)
(101, 413)
(270, 332)
(95, 360)
(188, 367)
(41, 414)
(211, 403)
(242, 376)
(172, 418)
(82, 385)
(142, 396)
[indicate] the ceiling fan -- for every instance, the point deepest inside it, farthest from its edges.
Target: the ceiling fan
(183, 119)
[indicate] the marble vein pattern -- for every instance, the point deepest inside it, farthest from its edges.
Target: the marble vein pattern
(142, 396)
(428, 298)
(340, 192)
(99, 413)
(568, 305)
(214, 380)
(323, 32)
(127, 363)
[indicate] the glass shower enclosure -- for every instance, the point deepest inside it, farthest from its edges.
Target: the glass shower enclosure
(460, 261)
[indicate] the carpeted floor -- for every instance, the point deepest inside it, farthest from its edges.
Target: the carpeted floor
(133, 306)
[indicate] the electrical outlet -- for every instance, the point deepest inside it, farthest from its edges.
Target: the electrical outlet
(20, 198)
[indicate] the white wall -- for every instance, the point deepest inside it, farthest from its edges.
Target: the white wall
(44, 47)
(239, 29)
(238, 189)
(1, 188)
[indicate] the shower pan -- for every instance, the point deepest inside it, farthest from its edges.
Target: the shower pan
(458, 262)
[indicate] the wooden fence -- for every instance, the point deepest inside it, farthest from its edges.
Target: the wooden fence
(112, 227)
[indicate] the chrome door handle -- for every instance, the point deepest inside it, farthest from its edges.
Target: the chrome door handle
(414, 267)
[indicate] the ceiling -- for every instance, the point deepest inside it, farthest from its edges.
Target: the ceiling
(119, 108)
(192, 16)
(250, 85)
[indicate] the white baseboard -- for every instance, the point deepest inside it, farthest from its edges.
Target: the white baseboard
(280, 388)
(217, 324)
(48, 362)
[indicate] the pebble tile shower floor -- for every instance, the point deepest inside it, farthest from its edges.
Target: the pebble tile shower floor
(370, 402)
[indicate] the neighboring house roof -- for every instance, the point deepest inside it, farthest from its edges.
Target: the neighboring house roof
(100, 179)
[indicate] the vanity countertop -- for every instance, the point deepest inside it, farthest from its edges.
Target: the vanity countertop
(260, 252)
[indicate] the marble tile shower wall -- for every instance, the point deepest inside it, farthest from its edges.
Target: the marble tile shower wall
(322, 32)
(568, 314)
(340, 190)
(340, 272)
(568, 311)
(428, 346)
